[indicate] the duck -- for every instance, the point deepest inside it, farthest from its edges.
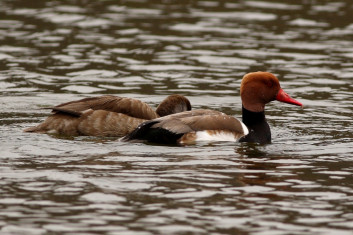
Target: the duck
(107, 115)
(256, 90)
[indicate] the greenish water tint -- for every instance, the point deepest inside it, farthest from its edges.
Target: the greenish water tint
(56, 51)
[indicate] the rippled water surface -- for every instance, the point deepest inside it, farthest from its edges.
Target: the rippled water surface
(56, 51)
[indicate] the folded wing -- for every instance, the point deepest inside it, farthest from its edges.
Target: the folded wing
(128, 106)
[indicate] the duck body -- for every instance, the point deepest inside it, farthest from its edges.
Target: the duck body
(105, 115)
(89, 123)
(257, 89)
(189, 127)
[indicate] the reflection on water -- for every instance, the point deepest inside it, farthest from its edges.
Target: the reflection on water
(55, 51)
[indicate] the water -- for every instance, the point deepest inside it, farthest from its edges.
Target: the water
(56, 51)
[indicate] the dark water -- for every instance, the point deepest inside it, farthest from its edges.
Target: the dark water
(56, 51)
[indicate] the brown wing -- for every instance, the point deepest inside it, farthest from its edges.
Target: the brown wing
(199, 120)
(214, 122)
(128, 106)
(192, 113)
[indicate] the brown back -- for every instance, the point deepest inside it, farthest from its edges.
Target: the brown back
(128, 106)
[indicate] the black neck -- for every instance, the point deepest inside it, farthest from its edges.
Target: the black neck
(259, 130)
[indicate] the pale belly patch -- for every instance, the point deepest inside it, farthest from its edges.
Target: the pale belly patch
(210, 136)
(215, 136)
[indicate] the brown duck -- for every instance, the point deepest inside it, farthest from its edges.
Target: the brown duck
(106, 115)
(257, 89)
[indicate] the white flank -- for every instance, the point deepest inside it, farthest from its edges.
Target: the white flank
(221, 136)
(52, 131)
(245, 129)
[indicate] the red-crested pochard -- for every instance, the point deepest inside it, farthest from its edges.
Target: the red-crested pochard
(256, 90)
(106, 115)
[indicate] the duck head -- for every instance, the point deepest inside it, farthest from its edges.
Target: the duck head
(173, 104)
(259, 88)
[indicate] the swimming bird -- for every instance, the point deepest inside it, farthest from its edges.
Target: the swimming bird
(107, 115)
(256, 90)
